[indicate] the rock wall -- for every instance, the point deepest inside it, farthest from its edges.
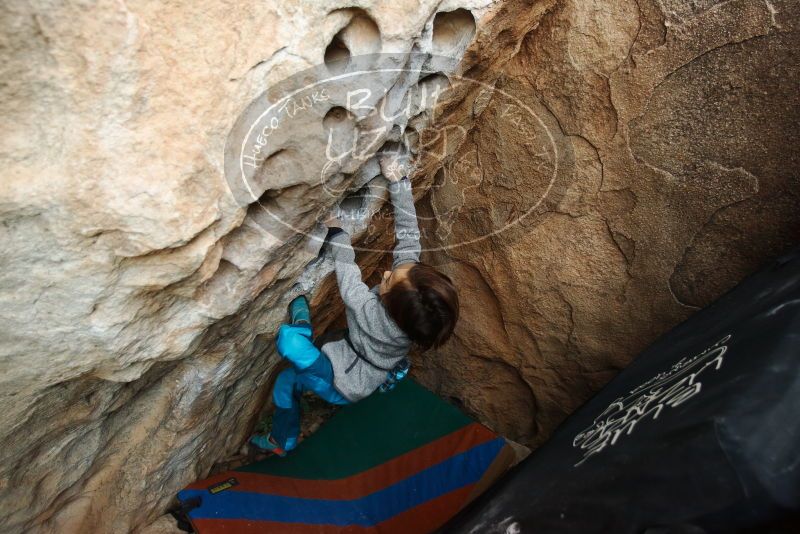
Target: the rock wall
(653, 168)
(139, 295)
(682, 119)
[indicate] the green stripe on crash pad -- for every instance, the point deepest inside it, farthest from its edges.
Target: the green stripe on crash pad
(368, 433)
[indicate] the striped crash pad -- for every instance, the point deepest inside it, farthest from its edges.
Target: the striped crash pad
(397, 462)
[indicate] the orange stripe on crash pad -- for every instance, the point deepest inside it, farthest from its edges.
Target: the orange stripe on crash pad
(428, 516)
(372, 480)
(421, 519)
(364, 483)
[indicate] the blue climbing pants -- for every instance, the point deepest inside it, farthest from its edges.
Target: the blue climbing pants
(311, 371)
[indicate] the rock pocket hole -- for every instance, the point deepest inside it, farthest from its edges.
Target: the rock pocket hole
(359, 37)
(452, 32)
(337, 118)
(337, 56)
(281, 169)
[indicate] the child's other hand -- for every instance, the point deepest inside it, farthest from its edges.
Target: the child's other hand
(395, 166)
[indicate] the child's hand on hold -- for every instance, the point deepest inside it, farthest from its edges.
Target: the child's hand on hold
(395, 166)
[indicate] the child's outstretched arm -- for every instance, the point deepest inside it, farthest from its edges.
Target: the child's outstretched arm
(406, 229)
(348, 276)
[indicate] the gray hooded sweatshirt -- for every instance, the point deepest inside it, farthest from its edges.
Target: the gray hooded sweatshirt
(376, 344)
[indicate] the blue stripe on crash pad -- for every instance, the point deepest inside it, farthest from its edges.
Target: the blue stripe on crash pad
(454, 473)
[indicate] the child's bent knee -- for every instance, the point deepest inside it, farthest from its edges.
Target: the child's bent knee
(294, 343)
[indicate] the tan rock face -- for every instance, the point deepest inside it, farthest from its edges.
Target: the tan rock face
(619, 164)
(682, 123)
(139, 293)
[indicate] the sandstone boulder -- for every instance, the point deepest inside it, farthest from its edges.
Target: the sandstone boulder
(593, 173)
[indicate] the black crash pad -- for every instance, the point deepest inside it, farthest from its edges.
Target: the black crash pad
(701, 433)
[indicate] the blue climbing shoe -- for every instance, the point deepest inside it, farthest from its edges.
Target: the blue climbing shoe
(299, 311)
(264, 444)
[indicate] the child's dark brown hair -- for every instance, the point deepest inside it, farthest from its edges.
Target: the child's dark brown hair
(425, 306)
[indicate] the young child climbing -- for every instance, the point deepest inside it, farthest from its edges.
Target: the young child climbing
(413, 304)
